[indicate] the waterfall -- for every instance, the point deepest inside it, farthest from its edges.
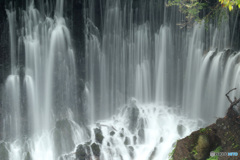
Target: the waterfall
(147, 82)
(41, 97)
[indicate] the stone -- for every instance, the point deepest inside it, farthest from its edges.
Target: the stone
(202, 148)
(127, 141)
(181, 129)
(161, 140)
(82, 152)
(112, 133)
(131, 151)
(95, 149)
(133, 116)
(153, 154)
(98, 135)
(141, 135)
(135, 140)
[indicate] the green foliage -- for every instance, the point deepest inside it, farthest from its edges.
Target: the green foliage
(194, 151)
(236, 146)
(203, 130)
(192, 9)
(217, 150)
(170, 155)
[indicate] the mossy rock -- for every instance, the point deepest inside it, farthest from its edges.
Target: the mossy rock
(98, 135)
(202, 148)
(95, 149)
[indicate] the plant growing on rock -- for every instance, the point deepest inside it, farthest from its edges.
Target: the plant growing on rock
(194, 9)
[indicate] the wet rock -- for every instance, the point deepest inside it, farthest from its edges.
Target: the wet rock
(82, 152)
(98, 135)
(135, 140)
(3, 151)
(122, 133)
(131, 151)
(153, 154)
(95, 149)
(133, 115)
(181, 129)
(112, 133)
(161, 140)
(127, 141)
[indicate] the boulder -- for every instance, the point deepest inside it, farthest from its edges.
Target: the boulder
(112, 133)
(141, 135)
(203, 148)
(127, 141)
(131, 151)
(82, 152)
(181, 129)
(133, 116)
(98, 135)
(95, 149)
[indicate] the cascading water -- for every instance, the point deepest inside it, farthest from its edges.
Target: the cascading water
(175, 76)
(47, 97)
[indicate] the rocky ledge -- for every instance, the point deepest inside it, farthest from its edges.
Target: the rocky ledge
(222, 136)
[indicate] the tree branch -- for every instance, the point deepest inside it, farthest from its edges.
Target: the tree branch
(229, 97)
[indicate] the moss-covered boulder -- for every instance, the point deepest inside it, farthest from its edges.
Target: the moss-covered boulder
(202, 148)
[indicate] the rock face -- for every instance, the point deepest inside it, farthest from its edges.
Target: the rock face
(224, 134)
(84, 151)
(98, 135)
